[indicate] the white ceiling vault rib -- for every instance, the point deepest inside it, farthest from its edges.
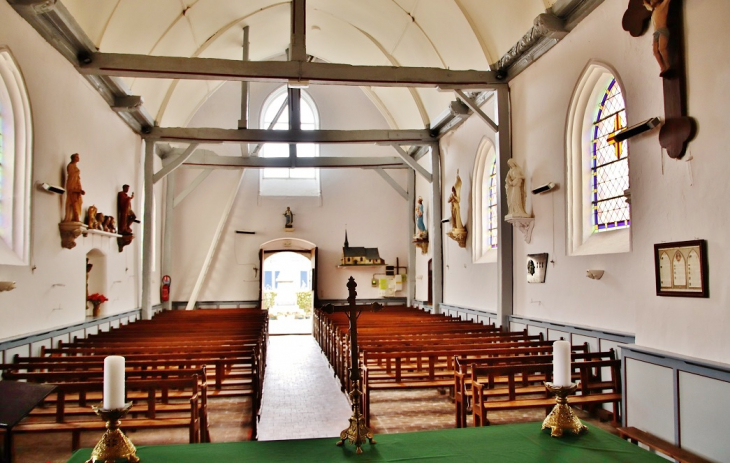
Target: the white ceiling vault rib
(416, 98)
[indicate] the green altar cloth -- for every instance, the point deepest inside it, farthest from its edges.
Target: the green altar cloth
(500, 444)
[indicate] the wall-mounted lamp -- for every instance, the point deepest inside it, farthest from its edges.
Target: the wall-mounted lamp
(544, 188)
(594, 274)
(51, 188)
(7, 286)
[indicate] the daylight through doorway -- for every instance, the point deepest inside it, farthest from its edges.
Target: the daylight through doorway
(287, 292)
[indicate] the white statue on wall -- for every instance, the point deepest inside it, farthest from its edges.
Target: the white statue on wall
(515, 186)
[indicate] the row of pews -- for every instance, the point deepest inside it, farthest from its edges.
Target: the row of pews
(485, 368)
(175, 363)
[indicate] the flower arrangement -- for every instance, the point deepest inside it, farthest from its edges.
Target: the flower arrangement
(96, 298)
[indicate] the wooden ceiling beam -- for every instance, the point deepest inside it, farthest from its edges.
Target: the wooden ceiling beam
(173, 67)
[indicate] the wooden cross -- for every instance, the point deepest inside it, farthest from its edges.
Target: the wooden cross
(357, 431)
(678, 129)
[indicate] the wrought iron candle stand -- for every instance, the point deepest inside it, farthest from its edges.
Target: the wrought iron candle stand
(357, 432)
(562, 419)
(113, 445)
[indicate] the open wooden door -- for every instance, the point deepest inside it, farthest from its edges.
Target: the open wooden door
(430, 282)
(315, 276)
(261, 278)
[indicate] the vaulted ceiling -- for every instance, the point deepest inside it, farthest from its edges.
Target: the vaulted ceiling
(450, 34)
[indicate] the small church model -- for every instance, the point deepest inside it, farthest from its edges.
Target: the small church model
(360, 255)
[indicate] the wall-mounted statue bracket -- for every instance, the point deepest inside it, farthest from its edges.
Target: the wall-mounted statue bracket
(668, 47)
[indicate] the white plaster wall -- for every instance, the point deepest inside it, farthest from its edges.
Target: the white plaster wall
(465, 284)
(375, 215)
(68, 117)
(671, 200)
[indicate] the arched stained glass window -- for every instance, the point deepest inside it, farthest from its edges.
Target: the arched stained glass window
(491, 213)
(16, 136)
(485, 214)
(609, 163)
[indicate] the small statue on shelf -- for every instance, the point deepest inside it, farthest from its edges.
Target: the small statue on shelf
(289, 215)
(515, 186)
(73, 191)
(99, 225)
(125, 215)
(91, 222)
(458, 231)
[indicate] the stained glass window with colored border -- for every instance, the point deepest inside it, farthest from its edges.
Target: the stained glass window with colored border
(609, 164)
(492, 202)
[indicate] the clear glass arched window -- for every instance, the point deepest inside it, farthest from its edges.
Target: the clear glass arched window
(15, 163)
(609, 163)
(275, 115)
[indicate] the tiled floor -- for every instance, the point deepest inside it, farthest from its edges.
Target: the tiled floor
(302, 398)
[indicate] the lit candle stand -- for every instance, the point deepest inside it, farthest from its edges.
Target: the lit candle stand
(562, 419)
(113, 445)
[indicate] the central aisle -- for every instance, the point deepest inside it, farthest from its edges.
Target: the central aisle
(301, 398)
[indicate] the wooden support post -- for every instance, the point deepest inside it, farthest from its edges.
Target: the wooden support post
(504, 250)
(437, 239)
(168, 232)
(411, 204)
(147, 238)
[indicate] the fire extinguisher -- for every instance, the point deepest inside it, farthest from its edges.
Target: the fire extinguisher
(165, 288)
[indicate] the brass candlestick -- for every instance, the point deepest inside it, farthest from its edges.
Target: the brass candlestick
(562, 418)
(113, 445)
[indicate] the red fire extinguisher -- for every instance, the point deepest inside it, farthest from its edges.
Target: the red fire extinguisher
(165, 288)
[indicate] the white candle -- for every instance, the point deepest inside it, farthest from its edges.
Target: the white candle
(561, 363)
(113, 382)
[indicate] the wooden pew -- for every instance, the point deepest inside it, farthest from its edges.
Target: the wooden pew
(587, 371)
(636, 435)
(64, 422)
(463, 380)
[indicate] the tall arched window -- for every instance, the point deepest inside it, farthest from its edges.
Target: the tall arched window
(599, 216)
(285, 181)
(609, 163)
(485, 191)
(15, 163)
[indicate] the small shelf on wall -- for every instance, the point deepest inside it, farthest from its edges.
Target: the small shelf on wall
(361, 265)
(103, 233)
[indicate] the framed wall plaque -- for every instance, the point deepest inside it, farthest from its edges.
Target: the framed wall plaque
(681, 269)
(536, 266)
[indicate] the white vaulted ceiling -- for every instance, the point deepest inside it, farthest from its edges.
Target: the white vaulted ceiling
(452, 34)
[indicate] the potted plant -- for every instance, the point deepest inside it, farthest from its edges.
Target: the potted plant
(96, 300)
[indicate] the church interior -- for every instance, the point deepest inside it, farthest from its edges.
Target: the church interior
(532, 171)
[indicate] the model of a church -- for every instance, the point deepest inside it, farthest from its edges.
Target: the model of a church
(360, 255)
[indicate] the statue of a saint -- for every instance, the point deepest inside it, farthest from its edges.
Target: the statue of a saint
(420, 226)
(73, 191)
(125, 215)
(289, 218)
(659, 12)
(454, 199)
(515, 186)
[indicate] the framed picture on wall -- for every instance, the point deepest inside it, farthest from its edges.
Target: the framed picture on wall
(681, 269)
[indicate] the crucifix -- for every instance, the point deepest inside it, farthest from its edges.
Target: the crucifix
(357, 431)
(668, 47)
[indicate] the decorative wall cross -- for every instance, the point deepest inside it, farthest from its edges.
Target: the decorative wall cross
(668, 46)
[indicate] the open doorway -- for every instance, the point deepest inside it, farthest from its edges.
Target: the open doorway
(287, 291)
